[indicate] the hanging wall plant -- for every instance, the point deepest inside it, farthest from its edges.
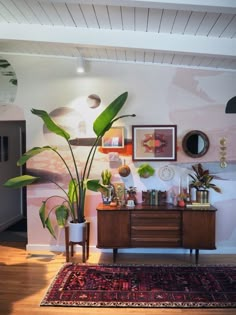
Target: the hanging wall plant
(146, 170)
(124, 170)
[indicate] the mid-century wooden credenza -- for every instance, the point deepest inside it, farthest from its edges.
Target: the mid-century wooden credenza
(155, 226)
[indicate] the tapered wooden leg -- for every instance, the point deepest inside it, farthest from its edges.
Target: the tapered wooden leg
(83, 243)
(67, 243)
(196, 255)
(87, 239)
(115, 251)
(72, 249)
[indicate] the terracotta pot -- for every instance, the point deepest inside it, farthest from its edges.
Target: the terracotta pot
(181, 203)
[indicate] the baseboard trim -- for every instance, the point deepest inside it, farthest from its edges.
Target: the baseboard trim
(94, 249)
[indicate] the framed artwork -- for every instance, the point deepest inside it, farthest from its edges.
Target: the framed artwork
(113, 138)
(154, 142)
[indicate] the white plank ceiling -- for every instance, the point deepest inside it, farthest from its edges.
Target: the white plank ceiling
(191, 33)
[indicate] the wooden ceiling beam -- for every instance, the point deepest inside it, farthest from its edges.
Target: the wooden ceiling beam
(151, 41)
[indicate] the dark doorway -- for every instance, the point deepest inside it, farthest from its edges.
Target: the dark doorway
(13, 201)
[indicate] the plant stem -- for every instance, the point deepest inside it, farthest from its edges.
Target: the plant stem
(71, 176)
(90, 158)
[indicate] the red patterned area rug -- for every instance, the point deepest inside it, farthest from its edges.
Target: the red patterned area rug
(143, 286)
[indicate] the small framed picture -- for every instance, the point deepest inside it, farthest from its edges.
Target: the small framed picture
(113, 138)
(154, 142)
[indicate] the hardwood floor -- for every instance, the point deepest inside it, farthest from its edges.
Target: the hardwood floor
(25, 276)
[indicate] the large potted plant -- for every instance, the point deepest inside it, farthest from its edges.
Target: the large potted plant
(73, 202)
(202, 182)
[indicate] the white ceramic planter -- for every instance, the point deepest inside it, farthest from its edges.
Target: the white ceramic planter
(76, 231)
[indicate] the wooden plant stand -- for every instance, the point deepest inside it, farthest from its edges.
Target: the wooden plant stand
(84, 243)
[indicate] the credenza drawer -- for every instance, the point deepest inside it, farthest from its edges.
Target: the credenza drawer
(155, 242)
(154, 220)
(156, 215)
(152, 228)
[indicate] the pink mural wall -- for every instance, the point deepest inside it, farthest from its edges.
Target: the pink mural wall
(188, 98)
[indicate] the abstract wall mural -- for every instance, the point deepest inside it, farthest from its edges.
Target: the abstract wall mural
(188, 98)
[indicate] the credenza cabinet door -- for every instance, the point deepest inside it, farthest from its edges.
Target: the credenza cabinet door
(199, 229)
(113, 229)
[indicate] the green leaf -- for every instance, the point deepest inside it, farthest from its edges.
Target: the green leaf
(106, 177)
(72, 191)
(62, 215)
(103, 121)
(51, 124)
(32, 152)
(49, 227)
(42, 211)
(20, 181)
(93, 184)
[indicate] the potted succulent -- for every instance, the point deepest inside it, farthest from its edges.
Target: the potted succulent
(108, 192)
(202, 182)
(73, 202)
(106, 177)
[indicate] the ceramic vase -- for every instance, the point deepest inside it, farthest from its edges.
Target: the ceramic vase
(108, 195)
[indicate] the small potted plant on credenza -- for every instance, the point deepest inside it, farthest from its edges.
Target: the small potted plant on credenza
(202, 182)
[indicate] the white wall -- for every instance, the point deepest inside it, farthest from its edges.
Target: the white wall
(191, 99)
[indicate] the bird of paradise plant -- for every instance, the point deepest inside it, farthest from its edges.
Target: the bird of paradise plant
(73, 202)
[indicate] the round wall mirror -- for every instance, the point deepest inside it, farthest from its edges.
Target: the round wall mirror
(195, 143)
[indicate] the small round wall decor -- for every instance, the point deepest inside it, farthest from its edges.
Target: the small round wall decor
(166, 172)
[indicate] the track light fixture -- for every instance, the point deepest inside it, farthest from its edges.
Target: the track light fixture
(80, 65)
